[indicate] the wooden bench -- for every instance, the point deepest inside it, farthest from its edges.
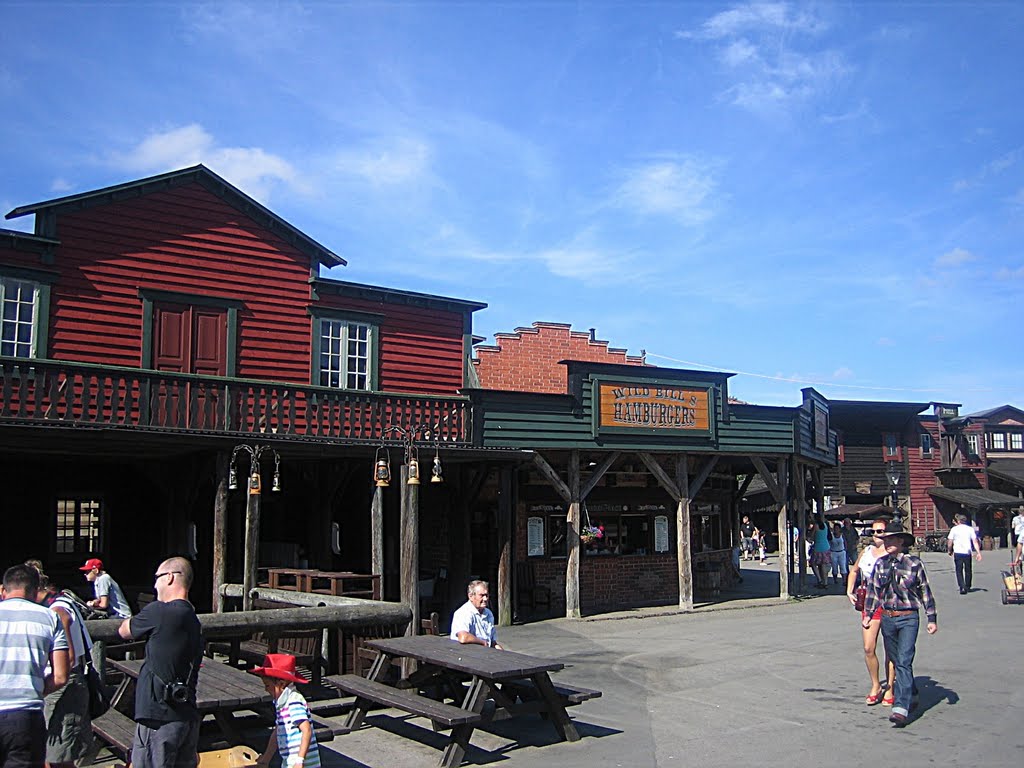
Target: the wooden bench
(571, 695)
(116, 730)
(369, 692)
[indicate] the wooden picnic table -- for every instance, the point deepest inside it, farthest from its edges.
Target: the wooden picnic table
(337, 583)
(514, 682)
(220, 691)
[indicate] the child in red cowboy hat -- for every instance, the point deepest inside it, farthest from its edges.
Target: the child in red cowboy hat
(293, 737)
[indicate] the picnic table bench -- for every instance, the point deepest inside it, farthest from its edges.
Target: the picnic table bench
(487, 685)
(221, 691)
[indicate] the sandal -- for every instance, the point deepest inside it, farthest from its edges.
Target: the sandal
(888, 699)
(871, 700)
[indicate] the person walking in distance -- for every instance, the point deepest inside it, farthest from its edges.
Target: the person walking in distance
(167, 721)
(747, 538)
(837, 551)
(962, 544)
(33, 663)
(899, 586)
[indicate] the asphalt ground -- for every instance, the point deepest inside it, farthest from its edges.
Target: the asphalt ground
(770, 683)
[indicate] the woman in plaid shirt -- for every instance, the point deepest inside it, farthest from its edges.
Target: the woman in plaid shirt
(899, 586)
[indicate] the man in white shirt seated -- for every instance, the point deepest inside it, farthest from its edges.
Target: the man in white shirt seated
(473, 623)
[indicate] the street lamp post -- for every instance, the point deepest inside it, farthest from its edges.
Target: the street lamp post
(893, 475)
(252, 510)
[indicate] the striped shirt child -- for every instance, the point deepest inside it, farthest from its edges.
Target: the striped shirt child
(291, 710)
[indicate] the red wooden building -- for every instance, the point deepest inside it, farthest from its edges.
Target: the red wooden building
(151, 327)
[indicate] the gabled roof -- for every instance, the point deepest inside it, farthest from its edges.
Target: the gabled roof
(974, 498)
(1011, 470)
(202, 175)
(990, 412)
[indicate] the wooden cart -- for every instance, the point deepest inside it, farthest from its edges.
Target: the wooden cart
(1013, 585)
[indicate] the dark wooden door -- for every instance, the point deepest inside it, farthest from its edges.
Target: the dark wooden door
(190, 339)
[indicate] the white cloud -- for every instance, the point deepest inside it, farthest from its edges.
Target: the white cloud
(677, 188)
(842, 373)
(995, 167)
(1008, 273)
(757, 45)
(60, 186)
(955, 258)
(252, 28)
(885, 341)
(251, 169)
(396, 161)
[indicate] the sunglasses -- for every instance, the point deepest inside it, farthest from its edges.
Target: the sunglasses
(878, 530)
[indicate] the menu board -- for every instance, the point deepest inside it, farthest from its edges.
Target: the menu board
(661, 533)
(535, 537)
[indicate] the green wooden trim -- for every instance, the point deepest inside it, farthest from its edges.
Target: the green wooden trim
(190, 299)
(231, 362)
(43, 320)
(333, 313)
(394, 296)
(147, 332)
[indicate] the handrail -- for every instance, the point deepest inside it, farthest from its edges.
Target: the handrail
(73, 394)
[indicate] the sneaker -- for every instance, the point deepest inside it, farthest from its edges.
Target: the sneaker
(898, 720)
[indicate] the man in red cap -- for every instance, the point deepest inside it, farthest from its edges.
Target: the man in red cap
(293, 737)
(109, 597)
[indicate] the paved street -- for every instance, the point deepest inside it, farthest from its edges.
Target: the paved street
(756, 686)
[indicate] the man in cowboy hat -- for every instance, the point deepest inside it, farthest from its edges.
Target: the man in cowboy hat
(293, 737)
(899, 586)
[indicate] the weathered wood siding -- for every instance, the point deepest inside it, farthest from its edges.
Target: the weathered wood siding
(421, 347)
(184, 240)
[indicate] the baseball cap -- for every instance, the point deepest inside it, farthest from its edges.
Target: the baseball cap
(92, 562)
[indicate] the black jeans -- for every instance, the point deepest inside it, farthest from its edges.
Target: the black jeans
(964, 571)
(22, 738)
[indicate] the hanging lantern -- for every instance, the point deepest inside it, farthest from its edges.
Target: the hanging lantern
(254, 483)
(382, 469)
(232, 477)
(414, 467)
(435, 471)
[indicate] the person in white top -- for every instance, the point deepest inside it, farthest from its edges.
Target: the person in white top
(473, 622)
(1018, 532)
(109, 597)
(862, 571)
(961, 544)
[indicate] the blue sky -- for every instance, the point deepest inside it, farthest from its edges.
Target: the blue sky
(808, 194)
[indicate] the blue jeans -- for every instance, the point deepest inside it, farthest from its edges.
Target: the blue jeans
(900, 636)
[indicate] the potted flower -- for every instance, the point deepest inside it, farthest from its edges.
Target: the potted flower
(591, 533)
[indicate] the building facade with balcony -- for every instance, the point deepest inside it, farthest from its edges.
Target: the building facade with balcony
(151, 327)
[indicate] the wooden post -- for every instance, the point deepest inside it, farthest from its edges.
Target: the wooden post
(252, 545)
(410, 549)
(800, 497)
(377, 536)
(683, 548)
(505, 502)
(220, 536)
(572, 534)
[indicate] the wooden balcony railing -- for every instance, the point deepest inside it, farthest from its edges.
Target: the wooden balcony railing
(56, 392)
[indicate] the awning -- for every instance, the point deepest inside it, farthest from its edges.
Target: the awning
(1010, 470)
(858, 512)
(975, 498)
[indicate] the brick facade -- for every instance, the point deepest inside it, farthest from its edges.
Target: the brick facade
(528, 359)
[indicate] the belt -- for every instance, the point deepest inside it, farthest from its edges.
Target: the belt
(892, 614)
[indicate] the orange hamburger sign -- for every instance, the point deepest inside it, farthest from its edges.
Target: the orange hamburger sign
(654, 407)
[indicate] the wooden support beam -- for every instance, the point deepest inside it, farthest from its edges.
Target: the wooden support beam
(698, 482)
(660, 475)
(220, 529)
(773, 487)
(572, 534)
(252, 545)
(683, 550)
(409, 535)
(595, 478)
(552, 477)
(745, 485)
(505, 536)
(377, 535)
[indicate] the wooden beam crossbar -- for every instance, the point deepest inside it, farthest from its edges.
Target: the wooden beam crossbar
(661, 475)
(595, 478)
(769, 480)
(552, 477)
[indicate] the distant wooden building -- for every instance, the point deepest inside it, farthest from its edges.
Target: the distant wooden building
(654, 458)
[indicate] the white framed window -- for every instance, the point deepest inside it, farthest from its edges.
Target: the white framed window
(998, 441)
(891, 445)
(926, 444)
(345, 351)
(78, 526)
(19, 317)
(1016, 441)
(972, 445)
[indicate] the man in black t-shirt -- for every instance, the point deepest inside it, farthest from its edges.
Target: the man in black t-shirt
(167, 721)
(747, 535)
